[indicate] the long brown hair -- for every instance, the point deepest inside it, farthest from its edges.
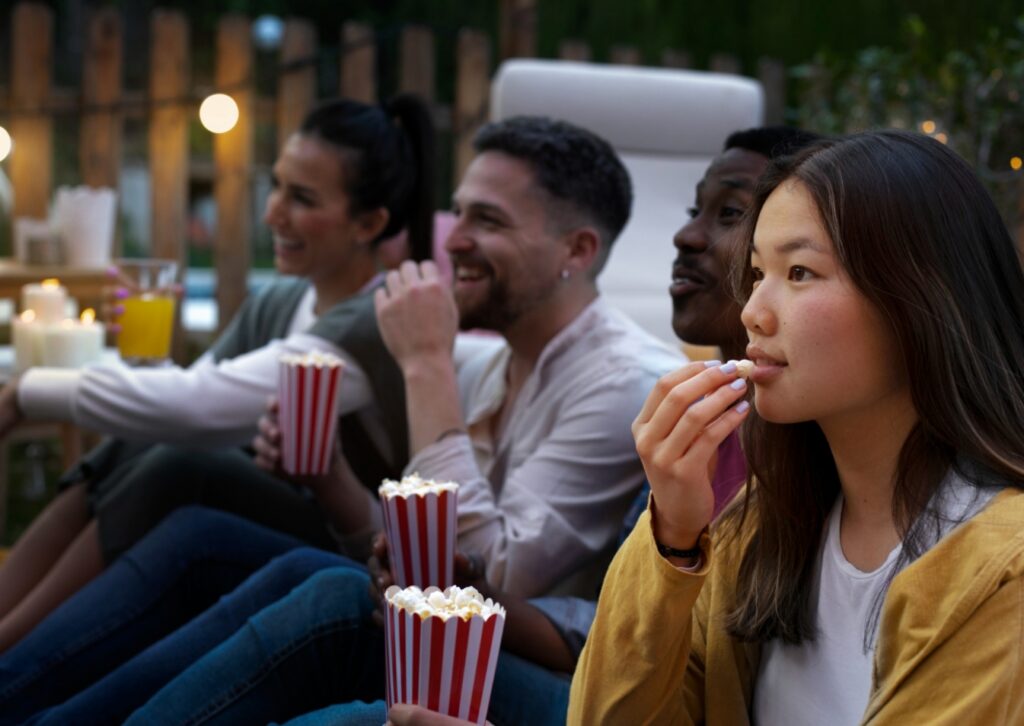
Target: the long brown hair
(922, 240)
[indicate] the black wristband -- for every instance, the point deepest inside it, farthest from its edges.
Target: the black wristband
(666, 551)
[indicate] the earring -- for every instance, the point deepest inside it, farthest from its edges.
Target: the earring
(565, 274)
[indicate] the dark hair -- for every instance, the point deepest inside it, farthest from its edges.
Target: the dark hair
(922, 240)
(771, 141)
(572, 165)
(389, 152)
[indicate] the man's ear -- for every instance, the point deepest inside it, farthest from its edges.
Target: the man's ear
(583, 251)
(370, 224)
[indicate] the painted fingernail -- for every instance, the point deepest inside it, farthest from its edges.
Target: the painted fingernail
(712, 363)
(119, 309)
(729, 367)
(742, 406)
(739, 384)
(121, 293)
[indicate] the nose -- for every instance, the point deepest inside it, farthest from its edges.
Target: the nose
(692, 237)
(458, 241)
(273, 210)
(758, 315)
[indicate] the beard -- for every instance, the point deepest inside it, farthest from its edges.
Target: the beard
(496, 311)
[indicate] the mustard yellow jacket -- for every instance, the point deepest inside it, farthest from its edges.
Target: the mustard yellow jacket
(950, 645)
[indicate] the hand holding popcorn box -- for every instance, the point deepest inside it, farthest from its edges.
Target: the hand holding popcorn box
(307, 392)
(442, 649)
(419, 519)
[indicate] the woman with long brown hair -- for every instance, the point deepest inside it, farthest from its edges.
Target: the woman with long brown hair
(874, 569)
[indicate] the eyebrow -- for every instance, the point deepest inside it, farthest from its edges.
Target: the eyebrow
(738, 183)
(480, 207)
(801, 243)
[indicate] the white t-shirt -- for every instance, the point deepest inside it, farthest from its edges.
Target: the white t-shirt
(828, 681)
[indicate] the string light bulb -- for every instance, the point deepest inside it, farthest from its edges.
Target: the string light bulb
(5, 143)
(1016, 163)
(218, 113)
(928, 127)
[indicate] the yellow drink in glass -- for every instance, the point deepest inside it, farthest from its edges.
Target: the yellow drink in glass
(146, 326)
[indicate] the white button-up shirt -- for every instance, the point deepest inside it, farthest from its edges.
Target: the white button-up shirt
(544, 502)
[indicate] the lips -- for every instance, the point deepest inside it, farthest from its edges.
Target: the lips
(767, 367)
(282, 244)
(686, 280)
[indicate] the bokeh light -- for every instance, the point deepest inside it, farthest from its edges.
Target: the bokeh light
(219, 113)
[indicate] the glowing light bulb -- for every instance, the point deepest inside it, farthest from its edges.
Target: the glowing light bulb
(218, 113)
(1016, 163)
(6, 144)
(928, 127)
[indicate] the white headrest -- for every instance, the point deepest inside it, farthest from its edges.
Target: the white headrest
(658, 110)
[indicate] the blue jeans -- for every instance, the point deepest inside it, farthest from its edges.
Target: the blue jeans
(174, 574)
(524, 693)
(316, 646)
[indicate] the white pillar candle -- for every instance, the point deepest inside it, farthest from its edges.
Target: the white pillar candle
(72, 343)
(48, 299)
(26, 336)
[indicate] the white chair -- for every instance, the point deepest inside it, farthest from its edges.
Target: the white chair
(666, 125)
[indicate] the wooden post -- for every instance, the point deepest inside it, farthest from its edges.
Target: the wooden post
(725, 63)
(574, 50)
(417, 62)
(358, 62)
(626, 55)
(296, 86)
(168, 148)
(518, 28)
(31, 126)
(168, 135)
(100, 139)
(772, 74)
(673, 58)
(472, 94)
(233, 157)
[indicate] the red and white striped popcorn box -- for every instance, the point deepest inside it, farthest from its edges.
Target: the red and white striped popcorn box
(419, 520)
(307, 394)
(442, 658)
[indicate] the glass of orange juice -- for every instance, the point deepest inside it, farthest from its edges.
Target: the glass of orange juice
(148, 318)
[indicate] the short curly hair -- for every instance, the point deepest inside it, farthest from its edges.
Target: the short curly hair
(572, 165)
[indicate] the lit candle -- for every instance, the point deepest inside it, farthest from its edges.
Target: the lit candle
(72, 343)
(48, 299)
(26, 336)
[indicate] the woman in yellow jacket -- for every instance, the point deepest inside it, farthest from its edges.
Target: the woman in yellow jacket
(873, 572)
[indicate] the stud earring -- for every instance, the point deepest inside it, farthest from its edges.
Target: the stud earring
(565, 274)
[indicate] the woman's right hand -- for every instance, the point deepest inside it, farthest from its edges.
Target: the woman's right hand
(687, 415)
(120, 287)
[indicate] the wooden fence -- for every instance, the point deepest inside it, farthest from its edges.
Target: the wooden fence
(31, 101)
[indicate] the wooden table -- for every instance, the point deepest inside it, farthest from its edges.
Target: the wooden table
(83, 284)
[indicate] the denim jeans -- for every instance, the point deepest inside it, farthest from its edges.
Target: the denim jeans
(524, 693)
(316, 646)
(175, 573)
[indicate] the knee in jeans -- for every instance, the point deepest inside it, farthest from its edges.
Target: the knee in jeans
(192, 521)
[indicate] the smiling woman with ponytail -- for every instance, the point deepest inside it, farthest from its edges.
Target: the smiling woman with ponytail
(352, 176)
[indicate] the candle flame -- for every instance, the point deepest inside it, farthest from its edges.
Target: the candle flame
(88, 316)
(28, 316)
(51, 282)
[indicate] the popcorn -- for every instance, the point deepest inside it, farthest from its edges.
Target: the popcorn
(307, 392)
(317, 358)
(420, 522)
(455, 601)
(743, 367)
(441, 649)
(412, 485)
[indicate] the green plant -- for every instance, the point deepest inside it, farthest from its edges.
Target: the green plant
(970, 99)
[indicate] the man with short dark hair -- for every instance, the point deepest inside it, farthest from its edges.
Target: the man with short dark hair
(541, 443)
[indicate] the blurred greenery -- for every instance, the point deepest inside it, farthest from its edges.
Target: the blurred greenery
(968, 97)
